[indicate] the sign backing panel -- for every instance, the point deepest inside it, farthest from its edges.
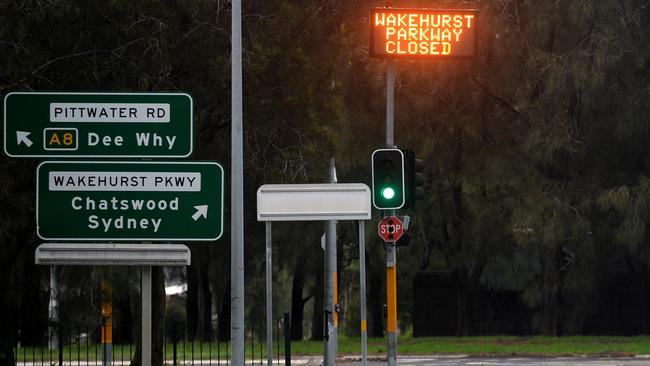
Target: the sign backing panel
(313, 202)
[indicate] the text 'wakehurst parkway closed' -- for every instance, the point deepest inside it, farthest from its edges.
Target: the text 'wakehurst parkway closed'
(129, 201)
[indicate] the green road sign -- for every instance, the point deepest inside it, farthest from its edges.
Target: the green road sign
(69, 124)
(145, 201)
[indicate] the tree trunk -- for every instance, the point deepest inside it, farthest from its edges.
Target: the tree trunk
(297, 302)
(550, 293)
(204, 326)
(8, 309)
(376, 304)
(317, 317)
(124, 332)
(192, 300)
(644, 296)
(224, 317)
(461, 312)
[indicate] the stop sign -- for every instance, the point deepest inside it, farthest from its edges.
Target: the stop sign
(390, 229)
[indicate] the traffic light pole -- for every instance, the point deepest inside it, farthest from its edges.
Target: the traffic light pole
(391, 255)
(390, 103)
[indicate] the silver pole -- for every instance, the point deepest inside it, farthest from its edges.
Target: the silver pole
(390, 103)
(53, 309)
(362, 296)
(330, 278)
(237, 195)
(146, 315)
(269, 295)
(391, 257)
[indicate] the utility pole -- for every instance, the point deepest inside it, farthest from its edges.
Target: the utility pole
(330, 284)
(237, 194)
(391, 255)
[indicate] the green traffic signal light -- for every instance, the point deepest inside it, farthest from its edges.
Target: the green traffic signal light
(388, 193)
(388, 179)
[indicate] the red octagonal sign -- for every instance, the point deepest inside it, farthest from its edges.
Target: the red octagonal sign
(390, 229)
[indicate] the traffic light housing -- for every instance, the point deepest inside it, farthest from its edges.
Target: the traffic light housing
(388, 189)
(414, 178)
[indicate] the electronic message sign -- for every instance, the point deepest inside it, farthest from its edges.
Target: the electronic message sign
(118, 201)
(423, 33)
(89, 125)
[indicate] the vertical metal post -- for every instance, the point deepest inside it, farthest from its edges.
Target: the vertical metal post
(175, 341)
(269, 295)
(60, 336)
(391, 302)
(330, 278)
(391, 258)
(237, 194)
(287, 340)
(107, 324)
(53, 309)
(390, 103)
(146, 315)
(362, 290)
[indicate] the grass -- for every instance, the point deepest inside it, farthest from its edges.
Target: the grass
(494, 345)
(505, 345)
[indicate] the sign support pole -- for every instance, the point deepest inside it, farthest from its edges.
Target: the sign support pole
(53, 308)
(391, 256)
(330, 284)
(146, 315)
(362, 290)
(269, 295)
(237, 195)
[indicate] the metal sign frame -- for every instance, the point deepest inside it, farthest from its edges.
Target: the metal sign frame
(143, 255)
(290, 202)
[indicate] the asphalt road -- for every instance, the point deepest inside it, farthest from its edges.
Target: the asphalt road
(513, 361)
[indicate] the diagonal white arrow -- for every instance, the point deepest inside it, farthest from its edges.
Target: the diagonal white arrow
(21, 137)
(201, 210)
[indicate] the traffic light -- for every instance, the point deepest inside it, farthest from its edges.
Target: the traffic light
(414, 178)
(388, 179)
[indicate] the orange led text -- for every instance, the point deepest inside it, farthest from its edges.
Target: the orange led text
(412, 32)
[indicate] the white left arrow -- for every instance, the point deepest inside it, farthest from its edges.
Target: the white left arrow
(21, 137)
(201, 210)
